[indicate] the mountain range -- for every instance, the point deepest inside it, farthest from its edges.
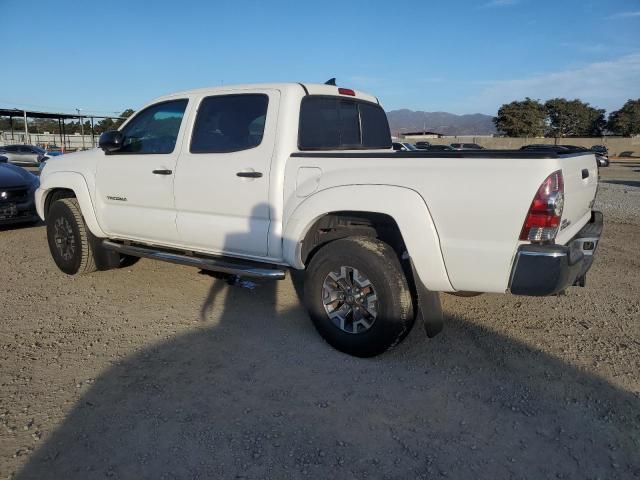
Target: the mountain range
(440, 122)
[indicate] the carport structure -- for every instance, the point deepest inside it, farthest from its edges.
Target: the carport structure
(61, 117)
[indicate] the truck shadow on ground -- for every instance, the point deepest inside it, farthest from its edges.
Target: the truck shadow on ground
(255, 393)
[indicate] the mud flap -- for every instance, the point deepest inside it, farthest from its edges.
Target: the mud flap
(429, 307)
(430, 310)
(104, 259)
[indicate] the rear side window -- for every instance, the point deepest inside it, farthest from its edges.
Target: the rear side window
(229, 123)
(330, 123)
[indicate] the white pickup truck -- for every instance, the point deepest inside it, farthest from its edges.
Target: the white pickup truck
(252, 180)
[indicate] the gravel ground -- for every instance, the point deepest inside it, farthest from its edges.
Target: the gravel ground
(155, 371)
(619, 193)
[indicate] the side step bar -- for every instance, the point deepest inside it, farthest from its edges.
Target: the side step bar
(215, 264)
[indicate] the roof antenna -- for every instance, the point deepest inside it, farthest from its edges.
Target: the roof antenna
(331, 81)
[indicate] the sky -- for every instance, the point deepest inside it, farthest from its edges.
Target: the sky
(453, 56)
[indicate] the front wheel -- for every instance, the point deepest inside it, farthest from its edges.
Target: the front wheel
(68, 238)
(358, 297)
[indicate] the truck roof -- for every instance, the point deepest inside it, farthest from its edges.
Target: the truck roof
(284, 87)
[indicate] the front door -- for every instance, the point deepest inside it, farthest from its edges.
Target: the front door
(134, 185)
(222, 182)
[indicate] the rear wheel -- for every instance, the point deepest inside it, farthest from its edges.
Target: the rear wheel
(358, 297)
(68, 238)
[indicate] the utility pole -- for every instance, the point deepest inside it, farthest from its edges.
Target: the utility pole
(26, 128)
(81, 127)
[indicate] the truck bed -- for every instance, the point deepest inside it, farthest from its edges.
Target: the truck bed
(441, 154)
(477, 200)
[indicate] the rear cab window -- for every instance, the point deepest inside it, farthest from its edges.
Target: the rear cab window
(336, 123)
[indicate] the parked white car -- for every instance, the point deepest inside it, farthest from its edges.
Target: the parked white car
(252, 180)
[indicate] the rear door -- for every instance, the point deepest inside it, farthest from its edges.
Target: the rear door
(134, 186)
(222, 180)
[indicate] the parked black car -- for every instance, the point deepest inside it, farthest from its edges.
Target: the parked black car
(441, 148)
(423, 145)
(466, 146)
(544, 146)
(17, 194)
(600, 149)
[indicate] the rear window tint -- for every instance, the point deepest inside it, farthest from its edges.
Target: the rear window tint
(229, 123)
(335, 123)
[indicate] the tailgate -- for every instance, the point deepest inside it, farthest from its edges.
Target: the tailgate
(580, 172)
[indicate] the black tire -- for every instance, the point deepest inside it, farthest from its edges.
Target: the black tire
(69, 238)
(378, 262)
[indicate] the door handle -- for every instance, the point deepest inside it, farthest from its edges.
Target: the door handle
(162, 172)
(249, 174)
(585, 173)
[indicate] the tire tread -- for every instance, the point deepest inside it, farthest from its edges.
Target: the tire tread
(87, 263)
(387, 261)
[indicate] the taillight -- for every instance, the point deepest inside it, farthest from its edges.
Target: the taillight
(543, 218)
(346, 91)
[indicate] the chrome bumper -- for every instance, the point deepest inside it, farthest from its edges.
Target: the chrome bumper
(548, 269)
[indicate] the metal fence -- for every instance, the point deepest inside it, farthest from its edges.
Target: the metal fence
(71, 142)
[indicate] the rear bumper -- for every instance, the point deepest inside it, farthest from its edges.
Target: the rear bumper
(547, 269)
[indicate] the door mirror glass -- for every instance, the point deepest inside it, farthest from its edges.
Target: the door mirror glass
(111, 141)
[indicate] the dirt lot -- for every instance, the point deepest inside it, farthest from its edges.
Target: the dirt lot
(156, 371)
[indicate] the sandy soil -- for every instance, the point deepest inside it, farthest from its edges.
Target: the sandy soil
(156, 371)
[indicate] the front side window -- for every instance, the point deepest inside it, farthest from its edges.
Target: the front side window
(229, 123)
(155, 129)
(338, 123)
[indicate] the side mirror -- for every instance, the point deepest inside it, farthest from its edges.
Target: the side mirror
(3, 159)
(111, 141)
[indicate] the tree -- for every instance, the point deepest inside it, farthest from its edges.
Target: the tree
(126, 114)
(573, 118)
(107, 124)
(626, 121)
(521, 119)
